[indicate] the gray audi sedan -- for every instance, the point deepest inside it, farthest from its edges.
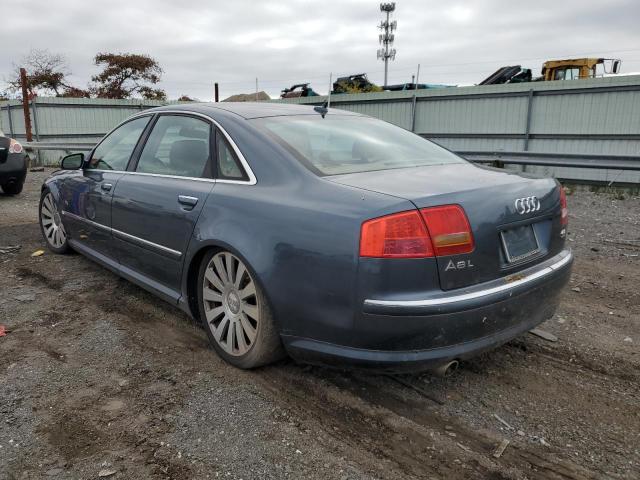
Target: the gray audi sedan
(334, 237)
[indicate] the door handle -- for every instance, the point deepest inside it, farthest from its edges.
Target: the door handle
(187, 201)
(106, 187)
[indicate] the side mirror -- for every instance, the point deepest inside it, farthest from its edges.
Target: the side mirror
(615, 68)
(73, 161)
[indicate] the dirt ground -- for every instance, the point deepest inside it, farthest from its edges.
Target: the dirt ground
(100, 379)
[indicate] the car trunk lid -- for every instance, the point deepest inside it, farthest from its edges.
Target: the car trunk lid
(504, 237)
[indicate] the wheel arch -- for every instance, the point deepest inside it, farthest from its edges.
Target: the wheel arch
(192, 269)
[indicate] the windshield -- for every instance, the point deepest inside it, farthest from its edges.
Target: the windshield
(340, 144)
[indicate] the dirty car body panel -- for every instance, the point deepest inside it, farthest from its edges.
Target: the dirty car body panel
(295, 216)
(13, 165)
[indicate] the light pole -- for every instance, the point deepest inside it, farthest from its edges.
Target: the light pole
(386, 38)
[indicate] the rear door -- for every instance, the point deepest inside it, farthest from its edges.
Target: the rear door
(157, 203)
(86, 198)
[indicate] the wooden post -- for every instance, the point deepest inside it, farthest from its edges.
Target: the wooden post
(25, 104)
(215, 93)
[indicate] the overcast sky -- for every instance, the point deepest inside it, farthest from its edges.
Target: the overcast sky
(198, 42)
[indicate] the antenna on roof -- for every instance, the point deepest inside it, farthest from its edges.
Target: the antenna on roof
(322, 109)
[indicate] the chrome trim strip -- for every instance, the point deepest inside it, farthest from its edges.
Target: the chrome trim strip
(127, 236)
(434, 302)
(161, 175)
(122, 235)
(86, 220)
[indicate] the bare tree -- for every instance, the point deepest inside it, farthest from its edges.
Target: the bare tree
(125, 75)
(46, 73)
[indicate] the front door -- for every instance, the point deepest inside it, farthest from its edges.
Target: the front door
(86, 197)
(157, 203)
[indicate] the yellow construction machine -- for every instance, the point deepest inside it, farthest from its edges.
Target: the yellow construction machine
(579, 68)
(570, 69)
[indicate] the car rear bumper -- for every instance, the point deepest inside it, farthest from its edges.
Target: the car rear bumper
(14, 169)
(413, 334)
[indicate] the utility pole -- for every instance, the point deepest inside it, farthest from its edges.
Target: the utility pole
(386, 38)
(25, 105)
(215, 92)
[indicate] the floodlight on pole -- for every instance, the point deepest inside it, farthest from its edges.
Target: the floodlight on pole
(387, 37)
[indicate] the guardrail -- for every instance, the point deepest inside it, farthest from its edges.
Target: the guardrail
(498, 158)
(604, 162)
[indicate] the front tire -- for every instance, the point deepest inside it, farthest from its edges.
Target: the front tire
(51, 225)
(236, 313)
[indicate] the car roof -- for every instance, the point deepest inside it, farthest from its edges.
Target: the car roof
(250, 110)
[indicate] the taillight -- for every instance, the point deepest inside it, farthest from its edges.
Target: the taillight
(564, 211)
(15, 147)
(401, 235)
(449, 229)
(434, 231)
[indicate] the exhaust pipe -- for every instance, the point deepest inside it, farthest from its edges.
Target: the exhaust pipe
(446, 369)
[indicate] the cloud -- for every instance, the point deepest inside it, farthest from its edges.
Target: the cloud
(203, 41)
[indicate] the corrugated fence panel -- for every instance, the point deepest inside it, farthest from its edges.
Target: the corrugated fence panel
(587, 113)
(70, 120)
(472, 115)
(595, 116)
(398, 113)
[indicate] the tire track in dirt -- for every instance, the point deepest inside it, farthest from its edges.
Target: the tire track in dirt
(371, 413)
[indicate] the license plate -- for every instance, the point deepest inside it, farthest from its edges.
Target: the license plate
(519, 243)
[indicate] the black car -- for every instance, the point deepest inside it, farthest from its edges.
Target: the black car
(338, 238)
(13, 165)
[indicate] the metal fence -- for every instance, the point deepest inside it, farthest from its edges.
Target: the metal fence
(593, 119)
(67, 121)
(580, 130)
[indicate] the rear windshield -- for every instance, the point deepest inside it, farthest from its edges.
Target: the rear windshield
(340, 144)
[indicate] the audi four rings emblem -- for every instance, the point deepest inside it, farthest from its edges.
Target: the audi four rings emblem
(527, 205)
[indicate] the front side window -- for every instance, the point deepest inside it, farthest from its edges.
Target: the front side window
(178, 145)
(115, 150)
(340, 144)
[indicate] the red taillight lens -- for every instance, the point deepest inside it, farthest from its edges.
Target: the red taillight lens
(449, 229)
(435, 231)
(564, 211)
(401, 235)
(15, 147)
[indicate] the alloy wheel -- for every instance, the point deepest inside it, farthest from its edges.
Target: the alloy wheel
(230, 303)
(52, 223)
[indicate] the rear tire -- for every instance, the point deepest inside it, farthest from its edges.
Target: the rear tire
(235, 312)
(13, 188)
(51, 225)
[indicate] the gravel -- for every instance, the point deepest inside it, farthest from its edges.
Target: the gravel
(102, 380)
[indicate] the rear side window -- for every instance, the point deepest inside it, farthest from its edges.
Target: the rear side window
(340, 144)
(228, 165)
(178, 145)
(115, 150)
